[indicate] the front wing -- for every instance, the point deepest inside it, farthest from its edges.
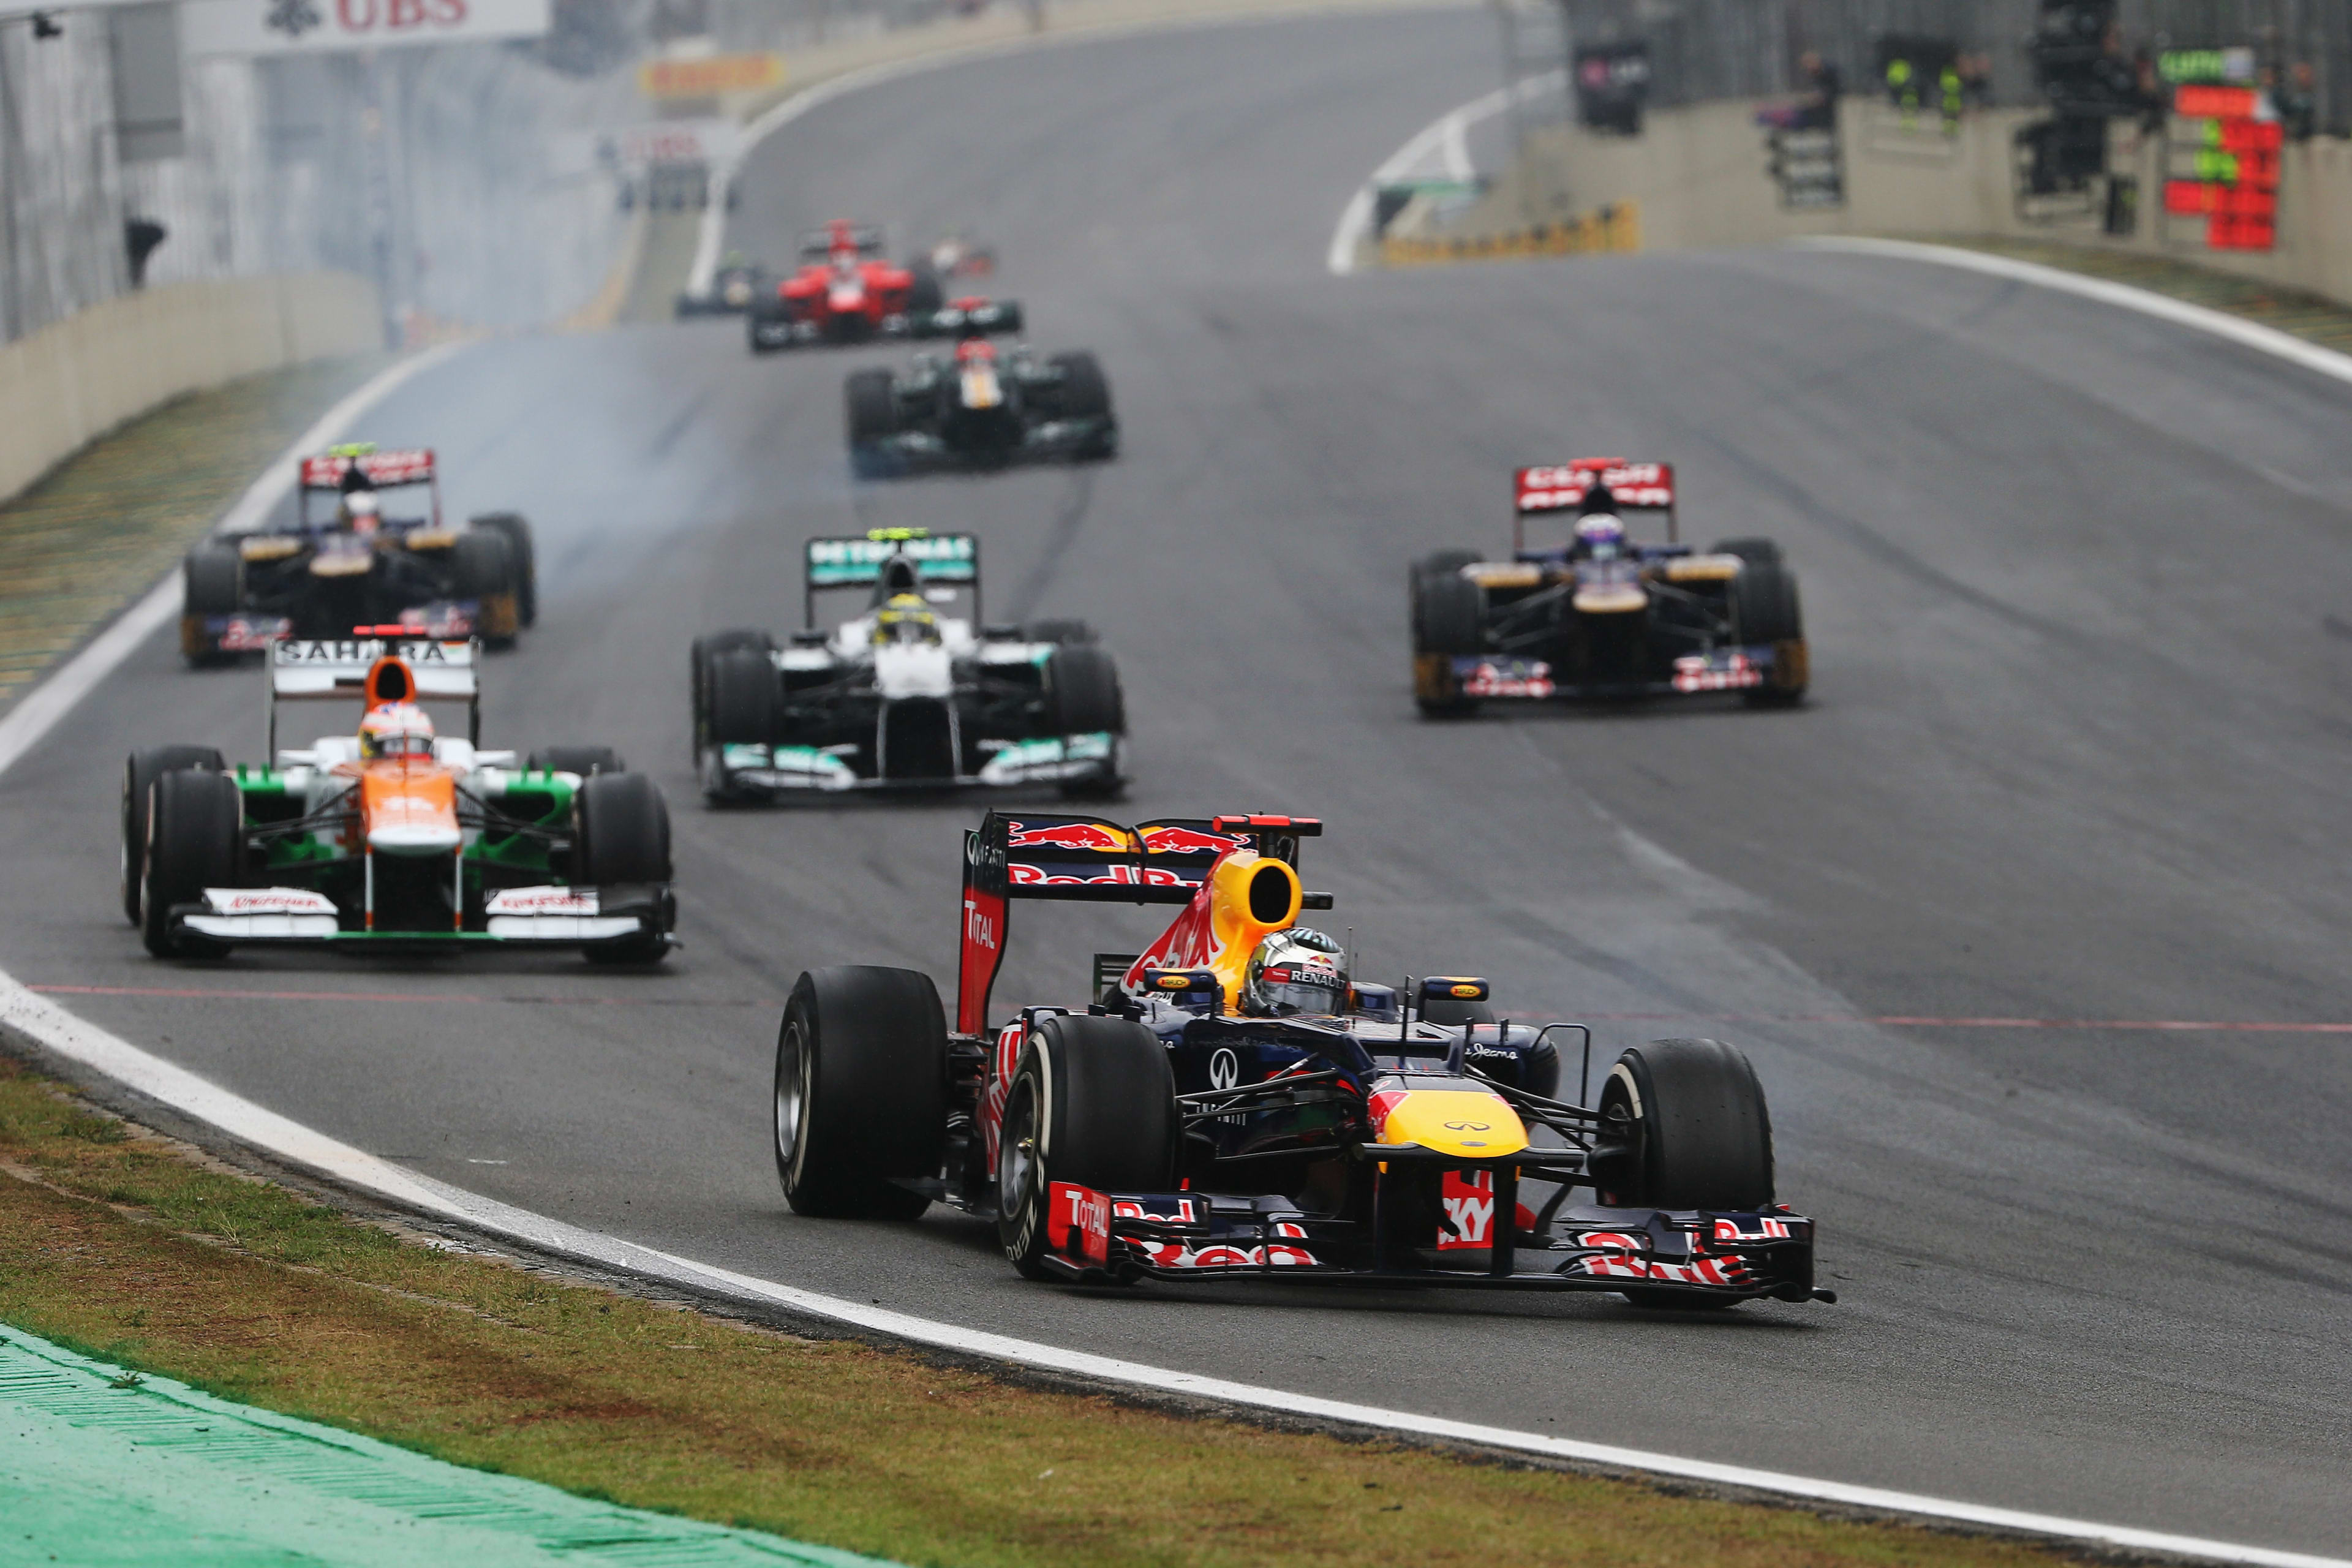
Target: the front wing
(780, 770)
(1503, 678)
(1200, 1237)
(524, 917)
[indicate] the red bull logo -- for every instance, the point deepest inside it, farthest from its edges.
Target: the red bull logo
(1075, 836)
(1169, 839)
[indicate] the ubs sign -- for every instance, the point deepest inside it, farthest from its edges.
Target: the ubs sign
(316, 26)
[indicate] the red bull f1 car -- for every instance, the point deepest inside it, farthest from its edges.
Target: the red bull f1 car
(1169, 1127)
(392, 837)
(367, 546)
(978, 407)
(913, 690)
(1580, 610)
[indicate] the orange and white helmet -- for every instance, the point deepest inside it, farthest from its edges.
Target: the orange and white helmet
(396, 729)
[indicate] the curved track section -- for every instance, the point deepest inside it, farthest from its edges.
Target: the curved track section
(2082, 621)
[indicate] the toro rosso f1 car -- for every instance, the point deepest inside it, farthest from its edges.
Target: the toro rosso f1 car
(393, 837)
(913, 690)
(1197, 1120)
(1583, 611)
(977, 408)
(346, 561)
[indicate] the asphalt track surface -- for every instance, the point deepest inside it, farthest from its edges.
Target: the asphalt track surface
(2082, 618)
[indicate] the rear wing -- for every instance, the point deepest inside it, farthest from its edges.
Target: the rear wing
(817, 244)
(1563, 487)
(411, 466)
(1090, 859)
(856, 562)
(330, 670)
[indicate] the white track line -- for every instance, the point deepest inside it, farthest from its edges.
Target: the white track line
(712, 238)
(56, 1031)
(2237, 329)
(1445, 142)
(54, 698)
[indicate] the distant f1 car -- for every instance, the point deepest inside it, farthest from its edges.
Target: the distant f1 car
(736, 287)
(977, 408)
(1229, 1105)
(391, 835)
(1590, 613)
(348, 562)
(915, 690)
(845, 292)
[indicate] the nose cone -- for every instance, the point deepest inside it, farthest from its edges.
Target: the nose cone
(409, 811)
(1466, 1121)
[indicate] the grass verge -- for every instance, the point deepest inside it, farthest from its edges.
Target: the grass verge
(100, 528)
(132, 1248)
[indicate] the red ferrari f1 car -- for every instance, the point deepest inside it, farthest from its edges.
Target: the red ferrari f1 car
(1230, 1104)
(847, 291)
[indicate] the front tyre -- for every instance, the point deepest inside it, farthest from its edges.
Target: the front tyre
(139, 772)
(1693, 1132)
(861, 1092)
(1093, 1103)
(195, 821)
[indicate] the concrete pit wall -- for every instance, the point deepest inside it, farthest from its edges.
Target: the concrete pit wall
(1699, 175)
(76, 379)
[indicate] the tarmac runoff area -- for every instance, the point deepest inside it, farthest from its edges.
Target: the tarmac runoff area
(101, 1466)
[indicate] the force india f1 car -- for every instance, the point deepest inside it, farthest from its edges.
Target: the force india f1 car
(390, 836)
(1164, 1132)
(977, 408)
(910, 692)
(845, 292)
(1592, 614)
(347, 561)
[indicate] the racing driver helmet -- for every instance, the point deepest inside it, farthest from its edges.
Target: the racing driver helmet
(396, 729)
(1296, 971)
(905, 618)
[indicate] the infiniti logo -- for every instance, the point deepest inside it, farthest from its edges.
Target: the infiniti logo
(1224, 1068)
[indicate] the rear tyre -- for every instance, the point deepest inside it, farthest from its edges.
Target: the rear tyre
(1059, 631)
(1093, 1101)
(926, 296)
(1454, 1013)
(195, 822)
(1086, 395)
(212, 584)
(482, 569)
(1765, 609)
(581, 759)
(1758, 549)
(139, 772)
(522, 556)
(861, 1092)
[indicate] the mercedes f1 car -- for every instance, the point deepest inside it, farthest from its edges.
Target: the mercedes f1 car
(345, 561)
(914, 690)
(1192, 1120)
(393, 837)
(1585, 612)
(977, 408)
(845, 292)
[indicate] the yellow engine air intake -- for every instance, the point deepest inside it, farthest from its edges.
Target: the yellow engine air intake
(1466, 1121)
(1250, 897)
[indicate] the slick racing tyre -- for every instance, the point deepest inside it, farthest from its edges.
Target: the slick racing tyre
(1747, 548)
(1086, 395)
(1058, 631)
(1693, 1133)
(1083, 698)
(213, 583)
(1764, 609)
(1093, 1101)
(1454, 1013)
(521, 556)
(482, 569)
(139, 772)
(870, 405)
(861, 1092)
(926, 296)
(706, 650)
(742, 699)
(581, 759)
(196, 819)
(620, 837)
(1449, 620)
